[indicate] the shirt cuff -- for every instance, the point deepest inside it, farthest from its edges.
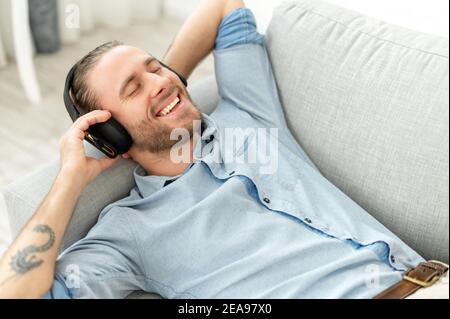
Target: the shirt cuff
(58, 291)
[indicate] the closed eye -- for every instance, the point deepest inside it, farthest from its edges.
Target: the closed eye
(154, 69)
(154, 66)
(135, 91)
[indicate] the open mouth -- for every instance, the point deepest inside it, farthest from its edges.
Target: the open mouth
(171, 108)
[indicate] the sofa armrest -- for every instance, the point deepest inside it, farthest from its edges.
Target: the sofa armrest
(25, 195)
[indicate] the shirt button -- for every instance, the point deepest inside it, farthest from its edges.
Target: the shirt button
(266, 200)
(393, 259)
(309, 221)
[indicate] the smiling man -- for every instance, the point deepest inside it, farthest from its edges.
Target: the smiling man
(200, 228)
(146, 97)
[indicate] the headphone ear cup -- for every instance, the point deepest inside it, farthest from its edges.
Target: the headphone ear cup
(110, 137)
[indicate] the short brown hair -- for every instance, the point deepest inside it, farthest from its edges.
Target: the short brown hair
(85, 97)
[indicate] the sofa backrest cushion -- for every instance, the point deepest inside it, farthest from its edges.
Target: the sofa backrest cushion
(369, 103)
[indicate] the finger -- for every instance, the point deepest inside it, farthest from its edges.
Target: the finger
(92, 118)
(72, 134)
(107, 162)
(84, 122)
(93, 113)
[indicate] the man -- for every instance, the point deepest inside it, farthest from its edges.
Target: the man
(203, 227)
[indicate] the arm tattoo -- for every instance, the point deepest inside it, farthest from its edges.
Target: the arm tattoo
(25, 259)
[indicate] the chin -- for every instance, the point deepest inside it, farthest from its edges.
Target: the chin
(187, 121)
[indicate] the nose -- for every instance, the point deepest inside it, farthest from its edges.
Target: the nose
(156, 84)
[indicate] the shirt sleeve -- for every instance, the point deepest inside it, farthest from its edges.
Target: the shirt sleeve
(59, 290)
(104, 264)
(243, 70)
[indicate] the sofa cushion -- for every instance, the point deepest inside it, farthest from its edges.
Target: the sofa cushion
(369, 103)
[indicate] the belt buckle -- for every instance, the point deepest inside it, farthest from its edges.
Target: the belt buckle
(424, 284)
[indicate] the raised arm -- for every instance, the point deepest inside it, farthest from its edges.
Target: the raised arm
(196, 38)
(27, 267)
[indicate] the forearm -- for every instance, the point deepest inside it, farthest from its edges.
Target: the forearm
(196, 38)
(27, 267)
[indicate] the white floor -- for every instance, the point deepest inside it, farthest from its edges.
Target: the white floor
(29, 134)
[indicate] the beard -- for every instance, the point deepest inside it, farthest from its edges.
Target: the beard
(154, 137)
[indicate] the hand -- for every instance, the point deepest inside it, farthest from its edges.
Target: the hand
(73, 159)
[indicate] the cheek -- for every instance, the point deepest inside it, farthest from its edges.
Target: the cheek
(130, 115)
(138, 108)
(174, 79)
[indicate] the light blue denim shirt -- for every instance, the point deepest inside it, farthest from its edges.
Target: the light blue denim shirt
(226, 228)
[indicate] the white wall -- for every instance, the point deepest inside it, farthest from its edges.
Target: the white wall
(179, 9)
(429, 16)
(2, 23)
(112, 13)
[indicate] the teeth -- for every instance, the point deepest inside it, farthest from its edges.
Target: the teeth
(169, 107)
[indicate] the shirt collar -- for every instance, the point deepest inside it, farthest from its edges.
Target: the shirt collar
(209, 136)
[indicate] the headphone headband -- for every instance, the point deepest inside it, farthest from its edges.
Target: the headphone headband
(69, 100)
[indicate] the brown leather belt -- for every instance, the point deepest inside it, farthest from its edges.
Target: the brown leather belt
(424, 275)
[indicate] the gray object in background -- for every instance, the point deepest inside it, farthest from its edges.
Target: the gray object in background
(369, 103)
(44, 25)
(2, 54)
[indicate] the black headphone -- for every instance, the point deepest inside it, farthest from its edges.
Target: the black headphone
(110, 137)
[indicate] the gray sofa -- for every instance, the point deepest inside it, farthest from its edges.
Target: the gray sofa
(369, 103)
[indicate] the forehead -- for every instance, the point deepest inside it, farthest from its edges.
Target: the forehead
(120, 56)
(114, 67)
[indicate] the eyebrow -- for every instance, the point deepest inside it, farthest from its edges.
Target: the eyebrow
(133, 76)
